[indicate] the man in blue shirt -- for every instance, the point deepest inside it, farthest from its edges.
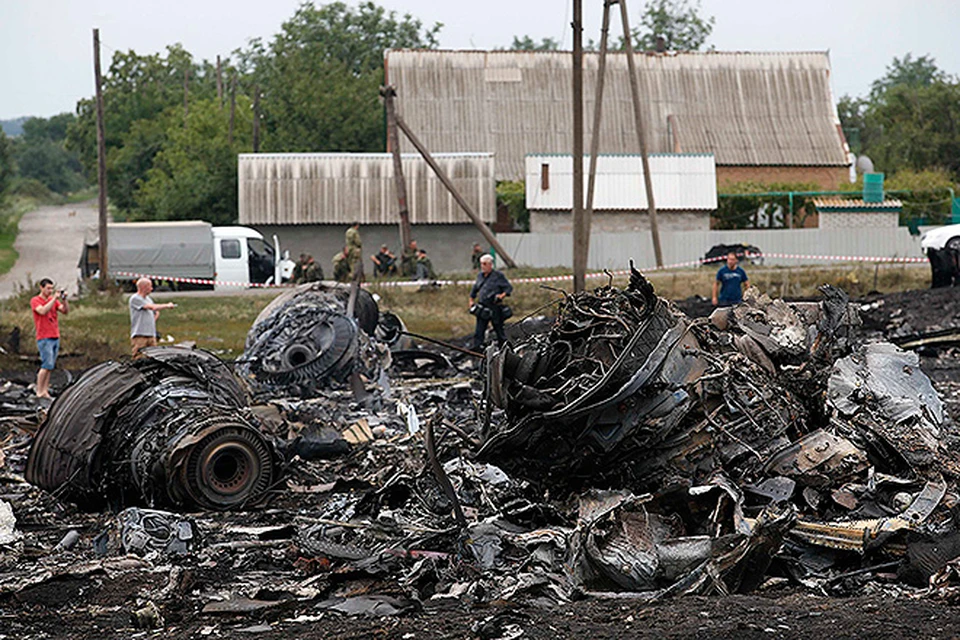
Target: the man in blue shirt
(486, 301)
(728, 287)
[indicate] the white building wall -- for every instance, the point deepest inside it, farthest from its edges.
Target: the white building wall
(683, 182)
(620, 221)
(615, 250)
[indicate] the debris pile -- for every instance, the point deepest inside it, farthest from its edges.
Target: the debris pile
(628, 451)
(839, 444)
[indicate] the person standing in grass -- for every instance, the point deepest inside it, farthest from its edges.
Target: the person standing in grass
(728, 287)
(45, 307)
(143, 317)
(486, 301)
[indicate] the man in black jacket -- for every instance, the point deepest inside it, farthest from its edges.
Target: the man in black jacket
(486, 301)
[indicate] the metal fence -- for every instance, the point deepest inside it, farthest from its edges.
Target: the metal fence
(615, 250)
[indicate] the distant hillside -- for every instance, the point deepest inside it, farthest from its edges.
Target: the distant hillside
(13, 127)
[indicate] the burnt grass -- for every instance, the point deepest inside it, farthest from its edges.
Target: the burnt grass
(99, 605)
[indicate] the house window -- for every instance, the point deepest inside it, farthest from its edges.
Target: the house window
(544, 177)
(230, 249)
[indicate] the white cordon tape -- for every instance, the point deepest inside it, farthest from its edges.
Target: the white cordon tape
(566, 278)
(199, 280)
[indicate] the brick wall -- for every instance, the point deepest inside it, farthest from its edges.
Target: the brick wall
(827, 178)
(620, 221)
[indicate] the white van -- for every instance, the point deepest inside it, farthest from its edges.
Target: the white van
(186, 250)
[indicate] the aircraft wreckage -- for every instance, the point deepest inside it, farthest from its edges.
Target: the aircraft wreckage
(627, 450)
(305, 340)
(171, 429)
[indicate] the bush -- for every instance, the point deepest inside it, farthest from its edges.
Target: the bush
(31, 188)
(512, 194)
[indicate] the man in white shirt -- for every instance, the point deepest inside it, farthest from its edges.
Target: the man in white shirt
(143, 317)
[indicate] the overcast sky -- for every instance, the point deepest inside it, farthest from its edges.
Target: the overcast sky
(46, 45)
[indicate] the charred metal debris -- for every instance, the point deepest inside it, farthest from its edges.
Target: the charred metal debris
(304, 342)
(171, 429)
(627, 452)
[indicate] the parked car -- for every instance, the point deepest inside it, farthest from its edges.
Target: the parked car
(942, 248)
(745, 252)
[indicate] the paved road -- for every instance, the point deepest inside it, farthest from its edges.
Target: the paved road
(50, 242)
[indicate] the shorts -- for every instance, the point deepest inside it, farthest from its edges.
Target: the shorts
(49, 348)
(141, 342)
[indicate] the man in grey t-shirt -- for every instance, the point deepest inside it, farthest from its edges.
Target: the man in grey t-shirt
(143, 317)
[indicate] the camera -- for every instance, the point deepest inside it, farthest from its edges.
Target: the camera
(62, 295)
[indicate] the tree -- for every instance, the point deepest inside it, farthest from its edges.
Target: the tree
(908, 72)
(920, 128)
(910, 121)
(40, 154)
(676, 21)
(6, 165)
(193, 176)
(320, 75)
(526, 43)
(140, 94)
(49, 163)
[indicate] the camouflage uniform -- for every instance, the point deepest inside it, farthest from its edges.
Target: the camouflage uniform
(312, 272)
(341, 267)
(408, 262)
(425, 269)
(354, 246)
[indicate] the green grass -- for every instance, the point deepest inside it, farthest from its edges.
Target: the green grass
(98, 325)
(10, 213)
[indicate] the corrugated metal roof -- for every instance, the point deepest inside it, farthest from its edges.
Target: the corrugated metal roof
(340, 188)
(681, 182)
(745, 108)
(844, 204)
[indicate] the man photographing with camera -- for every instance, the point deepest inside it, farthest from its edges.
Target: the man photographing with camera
(45, 308)
(486, 301)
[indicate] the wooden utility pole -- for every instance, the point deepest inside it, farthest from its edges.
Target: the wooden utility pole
(101, 164)
(256, 119)
(393, 144)
(580, 247)
(635, 91)
(219, 86)
(477, 222)
(595, 136)
(233, 107)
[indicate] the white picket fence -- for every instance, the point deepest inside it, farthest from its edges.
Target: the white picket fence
(614, 251)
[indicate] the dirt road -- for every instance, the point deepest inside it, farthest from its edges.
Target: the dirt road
(49, 243)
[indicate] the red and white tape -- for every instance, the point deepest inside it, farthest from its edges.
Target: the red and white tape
(221, 283)
(534, 280)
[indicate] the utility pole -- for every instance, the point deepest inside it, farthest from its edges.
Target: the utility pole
(256, 119)
(635, 91)
(233, 107)
(581, 247)
(597, 112)
(477, 222)
(393, 143)
(101, 163)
